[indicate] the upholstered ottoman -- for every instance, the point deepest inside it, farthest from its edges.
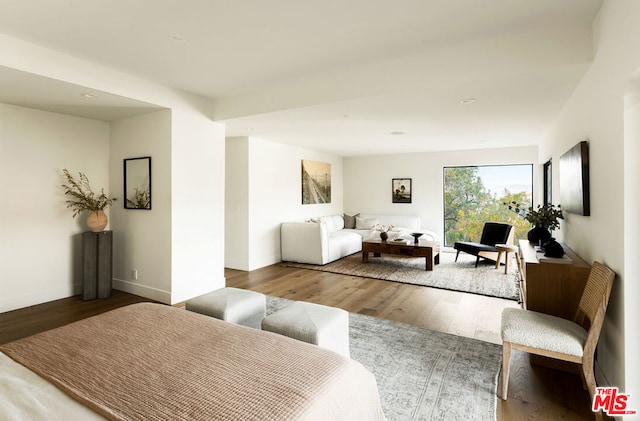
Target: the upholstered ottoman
(233, 305)
(327, 327)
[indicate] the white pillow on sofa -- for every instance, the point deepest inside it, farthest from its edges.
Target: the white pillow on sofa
(365, 224)
(334, 222)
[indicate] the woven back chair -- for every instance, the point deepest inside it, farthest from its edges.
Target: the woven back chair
(554, 337)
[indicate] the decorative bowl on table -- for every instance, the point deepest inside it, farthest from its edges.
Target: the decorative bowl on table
(416, 236)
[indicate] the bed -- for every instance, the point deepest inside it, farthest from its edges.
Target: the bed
(152, 361)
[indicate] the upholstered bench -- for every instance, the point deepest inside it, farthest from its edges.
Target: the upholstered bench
(327, 327)
(237, 306)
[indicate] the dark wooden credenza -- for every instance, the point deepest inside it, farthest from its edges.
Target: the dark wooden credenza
(97, 264)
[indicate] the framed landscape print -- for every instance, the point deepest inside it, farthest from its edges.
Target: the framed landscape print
(316, 182)
(401, 190)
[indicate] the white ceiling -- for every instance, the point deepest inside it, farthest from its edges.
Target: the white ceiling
(335, 76)
(34, 91)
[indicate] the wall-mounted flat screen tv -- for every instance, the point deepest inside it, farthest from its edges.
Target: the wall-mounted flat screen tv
(574, 179)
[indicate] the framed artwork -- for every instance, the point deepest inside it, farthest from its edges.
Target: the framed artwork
(574, 180)
(401, 190)
(137, 183)
(316, 182)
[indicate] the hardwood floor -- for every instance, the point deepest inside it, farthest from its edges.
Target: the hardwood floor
(27, 321)
(534, 392)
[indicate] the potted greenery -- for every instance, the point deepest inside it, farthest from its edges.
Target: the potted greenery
(82, 198)
(544, 218)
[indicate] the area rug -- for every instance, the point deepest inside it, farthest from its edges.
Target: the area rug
(422, 374)
(458, 276)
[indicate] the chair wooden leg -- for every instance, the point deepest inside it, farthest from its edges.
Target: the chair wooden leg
(589, 379)
(504, 376)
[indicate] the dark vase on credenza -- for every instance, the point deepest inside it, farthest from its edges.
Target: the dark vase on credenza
(538, 235)
(384, 236)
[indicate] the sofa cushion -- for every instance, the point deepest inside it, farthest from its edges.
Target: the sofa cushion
(365, 223)
(333, 222)
(350, 221)
(343, 243)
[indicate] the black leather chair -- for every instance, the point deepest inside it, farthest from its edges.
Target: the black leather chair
(492, 233)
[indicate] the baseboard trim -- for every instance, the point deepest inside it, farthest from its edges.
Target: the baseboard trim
(39, 297)
(236, 264)
(143, 291)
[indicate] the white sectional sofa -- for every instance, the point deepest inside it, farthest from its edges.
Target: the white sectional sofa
(326, 239)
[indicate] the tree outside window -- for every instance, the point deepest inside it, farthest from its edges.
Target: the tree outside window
(475, 195)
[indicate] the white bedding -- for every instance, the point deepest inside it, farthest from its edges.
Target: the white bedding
(27, 396)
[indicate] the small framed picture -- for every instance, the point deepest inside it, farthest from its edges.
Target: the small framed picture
(401, 190)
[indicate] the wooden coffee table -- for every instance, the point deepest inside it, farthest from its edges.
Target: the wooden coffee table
(427, 249)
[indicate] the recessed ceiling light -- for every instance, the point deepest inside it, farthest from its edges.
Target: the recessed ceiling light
(344, 115)
(89, 96)
(467, 101)
(396, 133)
(178, 38)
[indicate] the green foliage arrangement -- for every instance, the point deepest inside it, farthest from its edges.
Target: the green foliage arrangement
(82, 196)
(545, 216)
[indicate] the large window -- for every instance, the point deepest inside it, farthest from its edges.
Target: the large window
(475, 195)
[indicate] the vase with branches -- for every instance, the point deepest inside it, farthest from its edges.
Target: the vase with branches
(384, 231)
(544, 218)
(81, 197)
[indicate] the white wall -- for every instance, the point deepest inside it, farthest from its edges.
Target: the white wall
(367, 180)
(142, 238)
(595, 112)
(177, 246)
(237, 203)
(197, 211)
(631, 244)
(39, 240)
(194, 161)
(274, 196)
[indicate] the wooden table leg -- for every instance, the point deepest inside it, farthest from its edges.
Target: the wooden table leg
(365, 256)
(498, 259)
(429, 259)
(506, 262)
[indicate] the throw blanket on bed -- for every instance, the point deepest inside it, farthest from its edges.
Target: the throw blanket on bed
(151, 361)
